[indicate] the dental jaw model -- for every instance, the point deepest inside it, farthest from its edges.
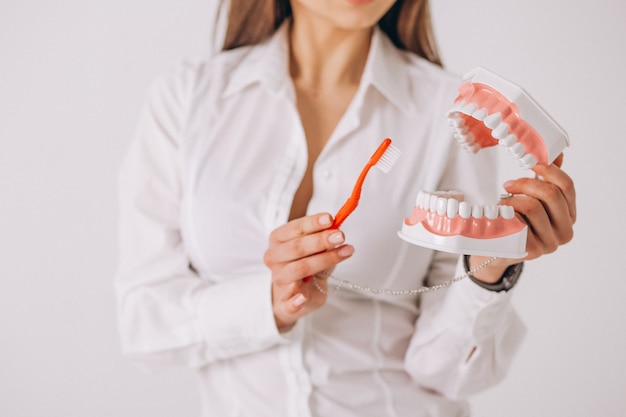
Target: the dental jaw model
(489, 111)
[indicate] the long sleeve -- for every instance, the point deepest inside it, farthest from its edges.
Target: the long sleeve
(167, 312)
(466, 337)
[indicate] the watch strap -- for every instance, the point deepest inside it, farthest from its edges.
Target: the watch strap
(506, 282)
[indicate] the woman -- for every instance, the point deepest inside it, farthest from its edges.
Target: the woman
(227, 199)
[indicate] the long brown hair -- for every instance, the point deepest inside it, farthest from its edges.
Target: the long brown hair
(407, 23)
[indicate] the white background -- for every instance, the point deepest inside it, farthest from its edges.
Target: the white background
(73, 76)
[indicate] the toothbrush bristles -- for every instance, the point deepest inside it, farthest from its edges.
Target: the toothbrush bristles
(388, 159)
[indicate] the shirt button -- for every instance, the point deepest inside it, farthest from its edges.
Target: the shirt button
(326, 174)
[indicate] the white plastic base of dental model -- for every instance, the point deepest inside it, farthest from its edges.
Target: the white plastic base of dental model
(512, 246)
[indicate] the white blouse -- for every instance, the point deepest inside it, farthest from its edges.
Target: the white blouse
(217, 158)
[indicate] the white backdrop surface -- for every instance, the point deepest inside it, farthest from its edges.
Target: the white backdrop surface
(73, 76)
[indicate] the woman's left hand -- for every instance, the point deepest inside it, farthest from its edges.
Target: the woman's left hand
(547, 204)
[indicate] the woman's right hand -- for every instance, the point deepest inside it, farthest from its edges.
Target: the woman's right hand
(301, 248)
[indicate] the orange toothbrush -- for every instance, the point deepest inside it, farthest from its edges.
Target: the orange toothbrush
(383, 158)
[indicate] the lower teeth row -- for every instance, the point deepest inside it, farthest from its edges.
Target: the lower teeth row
(450, 207)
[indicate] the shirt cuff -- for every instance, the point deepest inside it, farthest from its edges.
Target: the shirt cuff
(472, 308)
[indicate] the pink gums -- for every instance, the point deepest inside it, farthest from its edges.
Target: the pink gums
(482, 228)
(489, 98)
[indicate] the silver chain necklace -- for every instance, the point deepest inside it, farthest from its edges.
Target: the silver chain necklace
(342, 283)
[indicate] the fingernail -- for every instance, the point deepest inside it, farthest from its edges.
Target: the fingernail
(336, 237)
(346, 251)
(324, 220)
(299, 300)
(508, 184)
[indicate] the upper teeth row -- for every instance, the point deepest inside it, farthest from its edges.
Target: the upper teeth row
(499, 130)
(450, 207)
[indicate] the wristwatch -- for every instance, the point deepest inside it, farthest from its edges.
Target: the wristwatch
(505, 283)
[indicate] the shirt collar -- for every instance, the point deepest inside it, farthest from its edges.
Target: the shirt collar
(384, 70)
(268, 64)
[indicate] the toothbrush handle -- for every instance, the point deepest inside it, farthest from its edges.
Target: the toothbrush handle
(345, 210)
(352, 201)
